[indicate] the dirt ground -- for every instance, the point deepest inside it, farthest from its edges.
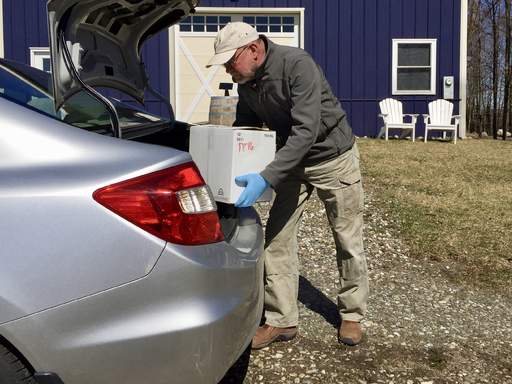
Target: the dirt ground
(421, 328)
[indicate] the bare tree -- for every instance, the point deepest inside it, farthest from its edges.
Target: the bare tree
(489, 67)
(508, 65)
(475, 112)
(494, 11)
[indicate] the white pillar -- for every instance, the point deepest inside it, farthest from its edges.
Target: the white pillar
(463, 66)
(172, 67)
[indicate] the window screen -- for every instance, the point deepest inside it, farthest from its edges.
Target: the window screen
(414, 67)
(47, 64)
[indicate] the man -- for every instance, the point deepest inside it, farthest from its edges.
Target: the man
(283, 88)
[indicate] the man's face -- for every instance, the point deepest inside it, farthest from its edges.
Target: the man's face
(242, 66)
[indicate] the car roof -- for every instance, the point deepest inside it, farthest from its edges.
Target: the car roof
(40, 78)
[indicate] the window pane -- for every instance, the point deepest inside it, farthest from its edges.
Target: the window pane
(261, 20)
(288, 20)
(24, 93)
(185, 28)
(224, 19)
(275, 19)
(275, 28)
(262, 28)
(211, 28)
(198, 19)
(249, 19)
(47, 65)
(288, 28)
(211, 19)
(413, 79)
(198, 28)
(414, 55)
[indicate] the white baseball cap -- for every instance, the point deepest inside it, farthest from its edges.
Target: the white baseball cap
(229, 39)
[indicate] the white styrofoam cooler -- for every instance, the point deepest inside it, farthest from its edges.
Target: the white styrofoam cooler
(222, 153)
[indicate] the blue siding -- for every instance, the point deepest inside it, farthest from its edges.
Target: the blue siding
(350, 39)
(24, 27)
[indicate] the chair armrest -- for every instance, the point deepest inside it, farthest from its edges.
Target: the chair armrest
(456, 118)
(413, 116)
(426, 118)
(384, 116)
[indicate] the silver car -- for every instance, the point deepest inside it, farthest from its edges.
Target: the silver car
(116, 266)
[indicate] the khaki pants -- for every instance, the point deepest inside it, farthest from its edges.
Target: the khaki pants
(338, 184)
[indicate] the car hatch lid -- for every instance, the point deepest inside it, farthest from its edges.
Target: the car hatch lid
(104, 39)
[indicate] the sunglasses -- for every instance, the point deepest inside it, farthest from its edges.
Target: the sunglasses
(235, 57)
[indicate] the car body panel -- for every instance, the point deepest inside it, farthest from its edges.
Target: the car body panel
(48, 173)
(158, 329)
(104, 38)
(85, 294)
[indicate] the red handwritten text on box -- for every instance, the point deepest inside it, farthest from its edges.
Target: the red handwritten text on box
(246, 147)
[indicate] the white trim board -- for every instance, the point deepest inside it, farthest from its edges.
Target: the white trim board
(1, 29)
(172, 66)
(241, 10)
(463, 66)
(246, 10)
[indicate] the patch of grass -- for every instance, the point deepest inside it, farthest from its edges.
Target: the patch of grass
(437, 357)
(453, 202)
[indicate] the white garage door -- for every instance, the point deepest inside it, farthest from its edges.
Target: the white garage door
(193, 47)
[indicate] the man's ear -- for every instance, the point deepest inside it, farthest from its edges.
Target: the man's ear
(254, 47)
(258, 48)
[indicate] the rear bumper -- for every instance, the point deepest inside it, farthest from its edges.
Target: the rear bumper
(186, 322)
(47, 378)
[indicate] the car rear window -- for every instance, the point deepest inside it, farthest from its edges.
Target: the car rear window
(31, 88)
(15, 89)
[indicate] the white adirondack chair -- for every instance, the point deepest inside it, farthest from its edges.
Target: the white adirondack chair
(394, 118)
(440, 119)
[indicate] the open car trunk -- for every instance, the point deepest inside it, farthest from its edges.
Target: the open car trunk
(231, 218)
(97, 43)
(102, 40)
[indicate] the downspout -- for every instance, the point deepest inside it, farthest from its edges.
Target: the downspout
(172, 65)
(463, 66)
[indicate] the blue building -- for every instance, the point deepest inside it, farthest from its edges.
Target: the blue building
(368, 49)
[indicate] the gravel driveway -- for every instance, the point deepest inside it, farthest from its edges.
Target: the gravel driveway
(420, 328)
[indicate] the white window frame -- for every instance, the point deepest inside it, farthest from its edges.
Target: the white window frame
(37, 54)
(433, 67)
(238, 13)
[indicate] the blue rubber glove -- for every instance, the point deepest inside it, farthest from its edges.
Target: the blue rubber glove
(254, 185)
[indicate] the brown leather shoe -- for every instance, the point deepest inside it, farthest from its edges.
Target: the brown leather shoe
(267, 334)
(350, 333)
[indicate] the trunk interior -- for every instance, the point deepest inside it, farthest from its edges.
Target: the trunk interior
(177, 136)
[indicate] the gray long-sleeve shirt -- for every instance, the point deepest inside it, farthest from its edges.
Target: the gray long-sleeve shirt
(292, 97)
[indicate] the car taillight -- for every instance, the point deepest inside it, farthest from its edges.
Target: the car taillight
(173, 204)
